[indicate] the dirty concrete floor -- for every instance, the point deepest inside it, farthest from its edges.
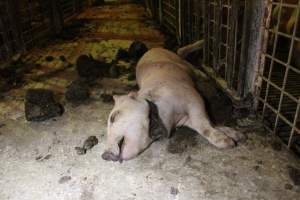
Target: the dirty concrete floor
(38, 160)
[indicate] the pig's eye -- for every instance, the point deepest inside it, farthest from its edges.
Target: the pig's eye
(114, 116)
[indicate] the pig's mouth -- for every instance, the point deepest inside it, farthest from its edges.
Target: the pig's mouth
(110, 156)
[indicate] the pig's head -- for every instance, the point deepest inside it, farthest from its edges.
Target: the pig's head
(133, 125)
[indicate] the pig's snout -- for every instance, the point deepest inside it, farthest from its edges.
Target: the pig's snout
(109, 156)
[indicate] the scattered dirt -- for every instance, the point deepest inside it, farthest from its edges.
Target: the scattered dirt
(49, 58)
(294, 174)
(42, 158)
(107, 98)
(98, 3)
(40, 105)
(276, 145)
(90, 69)
(77, 92)
(123, 55)
(137, 49)
(174, 191)
(62, 58)
(12, 74)
(182, 139)
(256, 167)
(74, 29)
(80, 150)
(114, 71)
(88, 144)
(64, 179)
(288, 186)
(131, 76)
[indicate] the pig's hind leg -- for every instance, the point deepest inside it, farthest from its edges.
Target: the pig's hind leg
(199, 121)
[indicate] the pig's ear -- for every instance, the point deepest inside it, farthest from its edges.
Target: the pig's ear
(156, 127)
(116, 97)
(132, 95)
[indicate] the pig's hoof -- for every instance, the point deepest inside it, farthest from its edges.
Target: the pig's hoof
(109, 156)
(232, 133)
(225, 143)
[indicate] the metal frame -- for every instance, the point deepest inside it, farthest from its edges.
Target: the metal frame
(226, 28)
(170, 16)
(26, 23)
(192, 18)
(279, 94)
(224, 24)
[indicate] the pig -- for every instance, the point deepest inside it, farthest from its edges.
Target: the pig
(167, 99)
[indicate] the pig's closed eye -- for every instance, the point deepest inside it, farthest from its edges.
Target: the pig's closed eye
(114, 116)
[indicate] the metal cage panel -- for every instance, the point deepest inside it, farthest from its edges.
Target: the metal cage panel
(192, 21)
(9, 38)
(25, 23)
(170, 15)
(225, 32)
(279, 99)
(35, 21)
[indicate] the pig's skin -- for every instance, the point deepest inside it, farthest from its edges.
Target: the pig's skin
(165, 79)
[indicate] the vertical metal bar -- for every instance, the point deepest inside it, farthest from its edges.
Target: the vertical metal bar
(13, 9)
(56, 17)
(272, 60)
(287, 66)
(244, 52)
(160, 10)
(5, 34)
(294, 124)
(179, 15)
(206, 30)
(232, 43)
(216, 34)
(264, 45)
(184, 21)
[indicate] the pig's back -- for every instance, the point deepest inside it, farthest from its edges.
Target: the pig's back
(160, 65)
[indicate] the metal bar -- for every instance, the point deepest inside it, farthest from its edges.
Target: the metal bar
(244, 53)
(272, 61)
(287, 68)
(217, 16)
(279, 114)
(231, 55)
(206, 31)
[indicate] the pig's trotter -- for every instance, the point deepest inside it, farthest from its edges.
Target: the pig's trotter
(220, 140)
(232, 133)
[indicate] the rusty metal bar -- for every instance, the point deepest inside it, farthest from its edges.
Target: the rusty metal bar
(244, 52)
(272, 61)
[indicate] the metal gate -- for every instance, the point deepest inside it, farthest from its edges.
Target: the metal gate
(225, 33)
(170, 10)
(224, 26)
(192, 25)
(279, 77)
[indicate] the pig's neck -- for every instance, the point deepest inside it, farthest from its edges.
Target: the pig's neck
(163, 112)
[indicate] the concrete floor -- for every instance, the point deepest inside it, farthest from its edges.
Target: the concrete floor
(38, 160)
